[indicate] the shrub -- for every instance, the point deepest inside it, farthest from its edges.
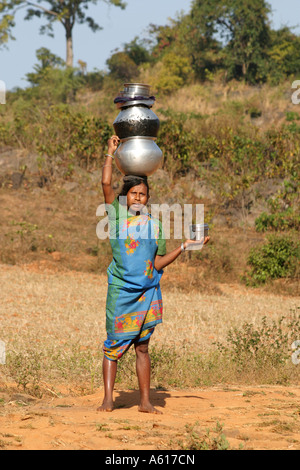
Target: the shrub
(278, 221)
(173, 74)
(57, 133)
(177, 143)
(122, 66)
(277, 258)
(268, 344)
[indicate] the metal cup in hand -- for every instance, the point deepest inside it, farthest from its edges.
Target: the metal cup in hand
(198, 232)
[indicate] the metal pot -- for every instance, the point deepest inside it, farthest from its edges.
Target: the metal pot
(136, 121)
(198, 231)
(138, 156)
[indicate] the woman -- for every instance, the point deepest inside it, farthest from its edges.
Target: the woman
(134, 302)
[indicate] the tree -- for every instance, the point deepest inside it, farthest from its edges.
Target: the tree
(171, 73)
(48, 61)
(52, 82)
(284, 54)
(122, 67)
(6, 24)
(67, 12)
(242, 26)
(137, 51)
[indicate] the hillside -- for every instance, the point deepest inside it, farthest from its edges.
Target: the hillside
(233, 148)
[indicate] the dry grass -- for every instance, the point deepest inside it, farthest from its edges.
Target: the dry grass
(56, 321)
(51, 308)
(53, 293)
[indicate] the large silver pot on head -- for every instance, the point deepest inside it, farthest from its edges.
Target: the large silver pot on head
(138, 156)
(136, 121)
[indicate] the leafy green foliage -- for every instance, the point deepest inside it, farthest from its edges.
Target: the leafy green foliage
(243, 28)
(137, 51)
(59, 134)
(66, 13)
(174, 73)
(277, 258)
(122, 67)
(284, 54)
(6, 23)
(177, 142)
(279, 221)
(48, 61)
(230, 36)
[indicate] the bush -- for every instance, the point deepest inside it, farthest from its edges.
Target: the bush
(280, 221)
(173, 74)
(178, 143)
(277, 258)
(57, 133)
(121, 66)
(259, 346)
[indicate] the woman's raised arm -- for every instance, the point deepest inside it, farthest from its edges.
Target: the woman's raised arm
(109, 194)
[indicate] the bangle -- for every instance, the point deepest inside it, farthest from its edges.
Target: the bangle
(109, 155)
(182, 247)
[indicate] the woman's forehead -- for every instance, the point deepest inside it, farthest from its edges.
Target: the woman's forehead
(139, 187)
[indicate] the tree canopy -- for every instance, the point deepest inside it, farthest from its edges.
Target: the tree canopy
(67, 12)
(231, 38)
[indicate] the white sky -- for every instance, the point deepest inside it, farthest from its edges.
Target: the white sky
(119, 27)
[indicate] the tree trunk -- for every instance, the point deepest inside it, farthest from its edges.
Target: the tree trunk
(69, 39)
(244, 69)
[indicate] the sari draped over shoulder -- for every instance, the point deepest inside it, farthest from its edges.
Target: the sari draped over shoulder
(134, 302)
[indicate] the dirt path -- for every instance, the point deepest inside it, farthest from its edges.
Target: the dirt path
(251, 418)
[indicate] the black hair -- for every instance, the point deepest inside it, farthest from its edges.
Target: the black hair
(132, 180)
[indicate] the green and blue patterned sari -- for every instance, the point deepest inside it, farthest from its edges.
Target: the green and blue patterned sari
(134, 302)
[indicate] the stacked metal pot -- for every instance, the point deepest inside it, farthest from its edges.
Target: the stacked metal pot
(137, 127)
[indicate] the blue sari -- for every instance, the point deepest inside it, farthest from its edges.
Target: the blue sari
(134, 301)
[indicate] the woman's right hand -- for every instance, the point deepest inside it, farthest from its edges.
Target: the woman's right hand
(113, 143)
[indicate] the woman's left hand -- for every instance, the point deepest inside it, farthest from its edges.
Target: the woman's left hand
(188, 243)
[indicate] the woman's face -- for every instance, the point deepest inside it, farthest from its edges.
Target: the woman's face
(137, 197)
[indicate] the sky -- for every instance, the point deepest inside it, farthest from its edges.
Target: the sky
(119, 27)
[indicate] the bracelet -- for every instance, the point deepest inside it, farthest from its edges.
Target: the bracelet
(109, 155)
(182, 247)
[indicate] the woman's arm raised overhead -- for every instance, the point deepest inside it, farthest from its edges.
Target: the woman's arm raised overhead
(109, 194)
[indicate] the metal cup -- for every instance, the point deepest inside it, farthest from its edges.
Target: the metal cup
(136, 89)
(198, 231)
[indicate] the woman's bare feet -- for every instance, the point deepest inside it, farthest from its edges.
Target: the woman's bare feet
(148, 408)
(107, 405)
